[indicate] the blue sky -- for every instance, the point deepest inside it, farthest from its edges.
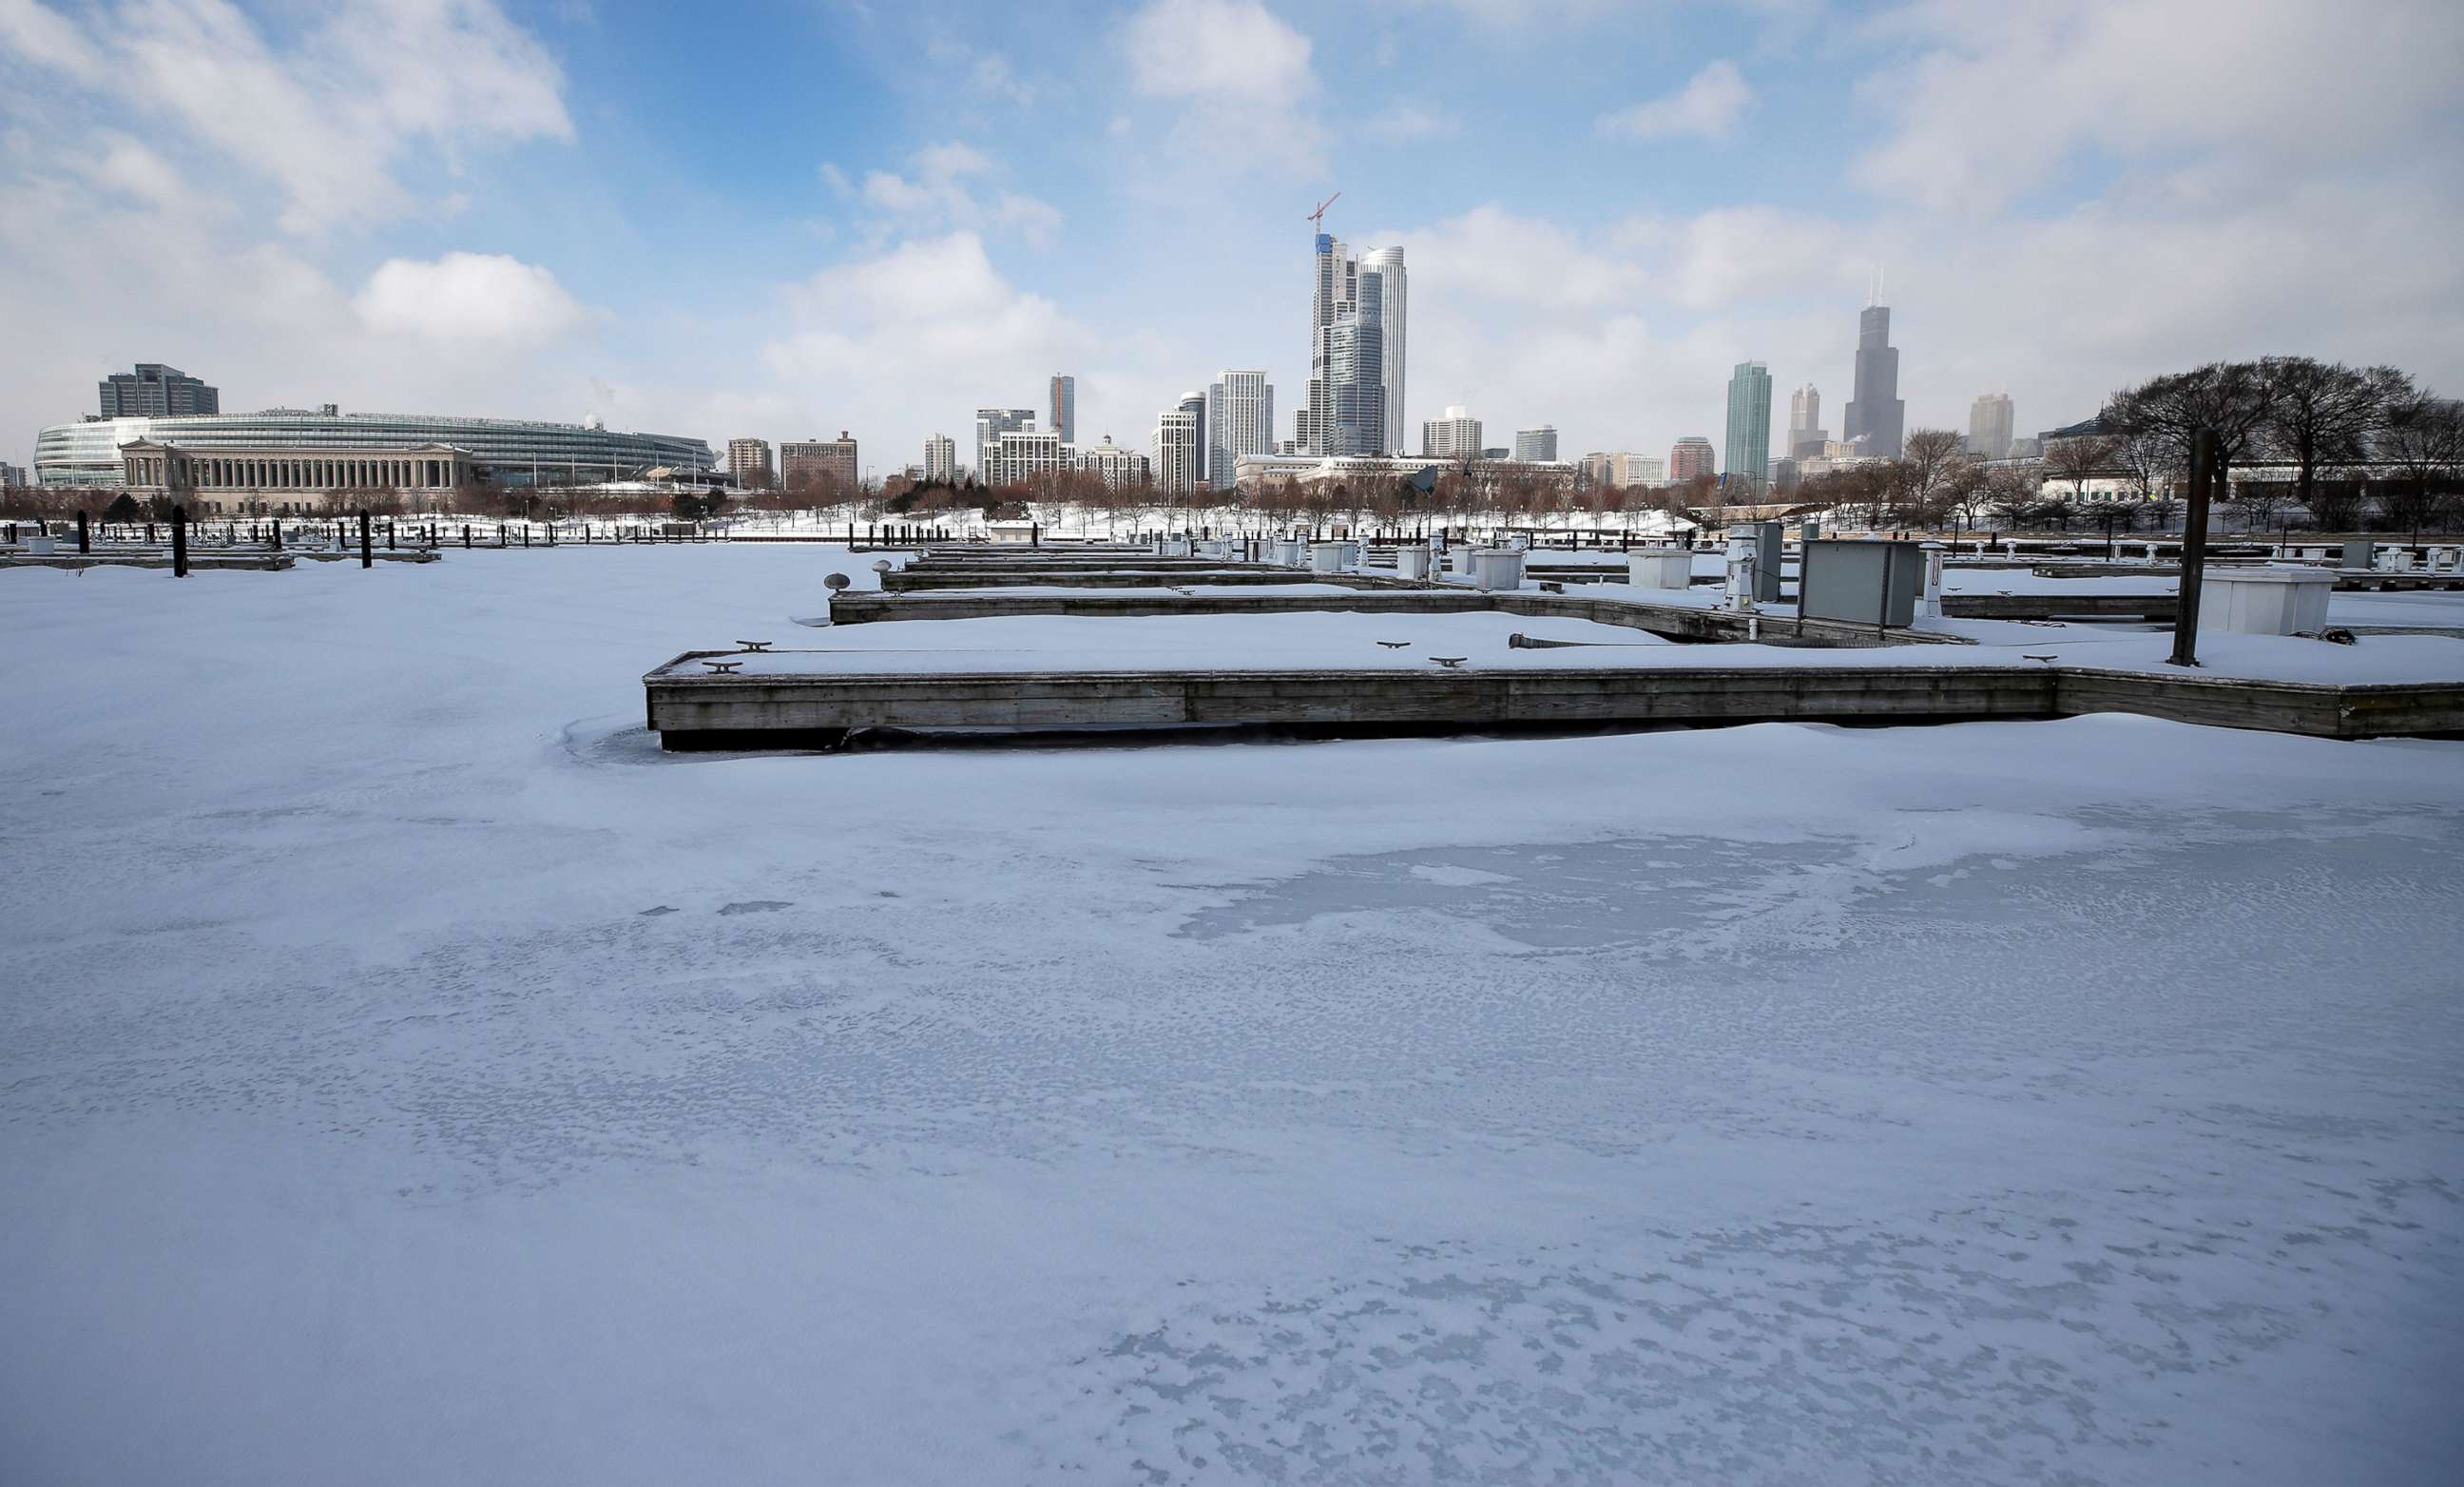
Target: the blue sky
(787, 219)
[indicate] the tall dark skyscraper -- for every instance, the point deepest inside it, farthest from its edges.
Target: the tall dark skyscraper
(1064, 409)
(1876, 411)
(158, 391)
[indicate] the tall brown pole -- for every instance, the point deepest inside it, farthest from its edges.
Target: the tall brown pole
(2194, 547)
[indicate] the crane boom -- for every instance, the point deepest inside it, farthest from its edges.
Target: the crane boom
(1317, 218)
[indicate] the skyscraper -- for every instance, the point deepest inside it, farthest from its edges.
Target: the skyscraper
(991, 423)
(1394, 296)
(1240, 421)
(1806, 434)
(1355, 387)
(1064, 409)
(1454, 436)
(1536, 445)
(1176, 452)
(1989, 426)
(1876, 411)
(748, 462)
(154, 390)
(1750, 414)
(941, 460)
(1193, 404)
(1690, 456)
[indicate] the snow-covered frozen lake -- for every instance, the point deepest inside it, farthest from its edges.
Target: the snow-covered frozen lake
(409, 1075)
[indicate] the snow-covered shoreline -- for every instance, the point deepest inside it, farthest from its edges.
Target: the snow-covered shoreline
(407, 1075)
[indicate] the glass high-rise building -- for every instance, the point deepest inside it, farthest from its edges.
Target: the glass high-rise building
(154, 390)
(1193, 404)
(1356, 345)
(1063, 401)
(1240, 422)
(1748, 453)
(1394, 305)
(1876, 412)
(1536, 446)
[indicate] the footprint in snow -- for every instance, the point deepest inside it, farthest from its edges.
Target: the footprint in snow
(664, 908)
(755, 906)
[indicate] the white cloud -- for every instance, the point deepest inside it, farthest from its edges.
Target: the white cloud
(1403, 123)
(1494, 254)
(891, 338)
(949, 159)
(989, 74)
(994, 78)
(1036, 221)
(938, 195)
(1709, 106)
(1216, 48)
(48, 39)
(1624, 338)
(1241, 76)
(469, 296)
(1994, 100)
(1730, 255)
(326, 119)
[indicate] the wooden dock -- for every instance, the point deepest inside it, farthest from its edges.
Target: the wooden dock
(691, 708)
(198, 562)
(1670, 621)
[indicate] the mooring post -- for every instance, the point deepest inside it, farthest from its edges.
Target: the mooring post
(368, 545)
(83, 544)
(2203, 449)
(179, 542)
(466, 536)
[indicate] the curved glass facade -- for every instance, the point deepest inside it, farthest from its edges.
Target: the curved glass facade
(505, 451)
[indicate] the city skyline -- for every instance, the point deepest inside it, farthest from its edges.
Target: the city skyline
(502, 257)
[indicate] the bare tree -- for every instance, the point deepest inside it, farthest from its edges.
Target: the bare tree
(2079, 461)
(2424, 444)
(2231, 399)
(2323, 413)
(1928, 458)
(2145, 459)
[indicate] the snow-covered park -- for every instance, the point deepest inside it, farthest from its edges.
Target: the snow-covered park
(411, 1074)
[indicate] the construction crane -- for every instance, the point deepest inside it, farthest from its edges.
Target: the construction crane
(1317, 218)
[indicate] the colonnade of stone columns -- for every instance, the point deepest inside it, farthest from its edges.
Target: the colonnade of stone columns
(262, 473)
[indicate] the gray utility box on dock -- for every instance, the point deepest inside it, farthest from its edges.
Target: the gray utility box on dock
(1859, 583)
(2357, 555)
(1768, 552)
